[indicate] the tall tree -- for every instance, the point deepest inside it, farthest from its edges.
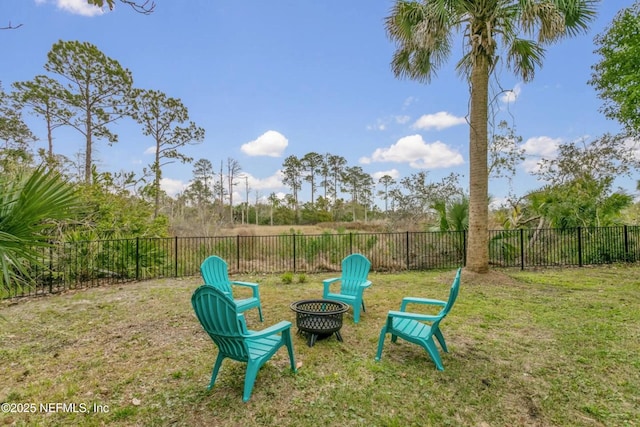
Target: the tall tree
(492, 30)
(292, 171)
(336, 165)
(159, 116)
(15, 135)
(325, 172)
(203, 173)
(312, 166)
(97, 92)
(274, 202)
(233, 170)
(616, 76)
(386, 181)
(358, 183)
(41, 95)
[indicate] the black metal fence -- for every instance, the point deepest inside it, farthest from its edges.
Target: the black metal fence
(74, 265)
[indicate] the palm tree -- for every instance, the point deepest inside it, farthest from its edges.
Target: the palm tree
(492, 30)
(29, 206)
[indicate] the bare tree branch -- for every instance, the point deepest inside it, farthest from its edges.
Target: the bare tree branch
(11, 27)
(146, 7)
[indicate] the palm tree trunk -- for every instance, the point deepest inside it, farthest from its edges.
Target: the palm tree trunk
(478, 248)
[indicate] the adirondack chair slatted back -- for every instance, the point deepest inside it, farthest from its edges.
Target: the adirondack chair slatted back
(219, 317)
(215, 272)
(355, 269)
(453, 294)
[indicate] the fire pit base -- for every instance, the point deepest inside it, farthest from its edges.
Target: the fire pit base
(319, 318)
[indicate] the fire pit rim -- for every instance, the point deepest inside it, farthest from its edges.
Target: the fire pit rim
(343, 307)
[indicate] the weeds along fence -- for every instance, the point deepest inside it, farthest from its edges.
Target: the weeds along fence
(74, 265)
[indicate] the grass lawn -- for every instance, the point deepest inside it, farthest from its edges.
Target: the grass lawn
(557, 347)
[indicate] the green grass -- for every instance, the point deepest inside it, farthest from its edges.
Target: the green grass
(539, 348)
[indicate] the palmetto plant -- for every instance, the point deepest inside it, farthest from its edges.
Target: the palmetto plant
(515, 30)
(31, 204)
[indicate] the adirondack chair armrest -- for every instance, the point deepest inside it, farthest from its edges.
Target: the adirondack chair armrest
(273, 329)
(327, 283)
(366, 284)
(413, 316)
(253, 286)
(424, 301)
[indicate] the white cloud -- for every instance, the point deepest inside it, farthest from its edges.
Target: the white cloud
(540, 147)
(272, 182)
(419, 154)
(438, 121)
(510, 96)
(393, 173)
(407, 102)
(402, 119)
(172, 186)
(380, 124)
(76, 7)
(150, 150)
(270, 143)
(383, 123)
(543, 146)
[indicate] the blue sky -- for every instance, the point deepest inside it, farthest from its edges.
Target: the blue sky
(269, 79)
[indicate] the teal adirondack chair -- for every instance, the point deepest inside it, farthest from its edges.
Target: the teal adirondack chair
(215, 273)
(220, 318)
(420, 328)
(353, 282)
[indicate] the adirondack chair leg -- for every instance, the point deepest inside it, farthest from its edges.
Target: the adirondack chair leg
(440, 339)
(260, 312)
(250, 378)
(363, 307)
(216, 368)
(383, 332)
(311, 340)
(430, 346)
(286, 336)
(356, 313)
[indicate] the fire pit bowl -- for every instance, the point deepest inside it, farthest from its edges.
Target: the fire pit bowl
(319, 318)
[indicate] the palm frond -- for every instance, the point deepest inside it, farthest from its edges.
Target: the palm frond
(523, 57)
(422, 32)
(28, 204)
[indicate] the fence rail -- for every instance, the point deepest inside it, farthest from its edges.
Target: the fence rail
(75, 265)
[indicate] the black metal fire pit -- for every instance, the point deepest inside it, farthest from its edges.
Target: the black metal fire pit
(319, 318)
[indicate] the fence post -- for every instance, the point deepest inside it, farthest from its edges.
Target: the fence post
(464, 248)
(521, 249)
(137, 258)
(294, 251)
(407, 249)
(627, 258)
(175, 250)
(580, 246)
(237, 252)
(350, 243)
